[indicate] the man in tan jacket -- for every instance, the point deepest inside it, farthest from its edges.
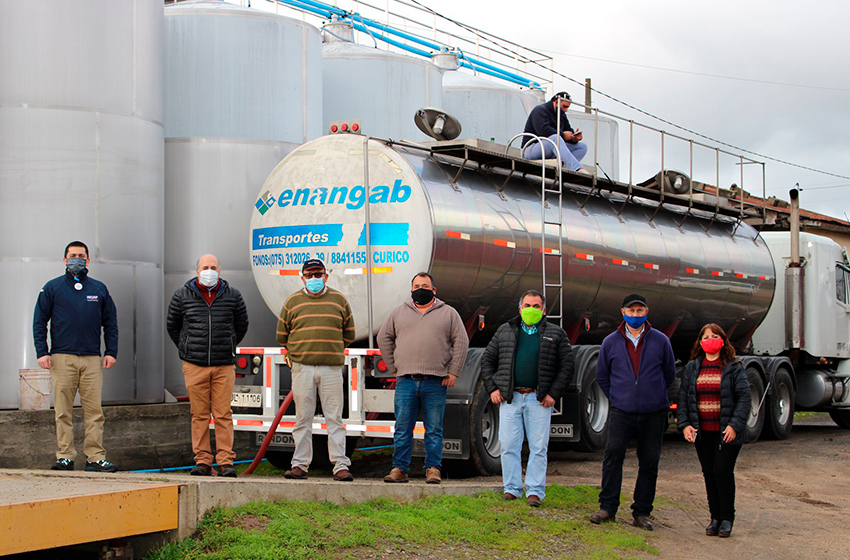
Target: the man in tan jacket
(424, 343)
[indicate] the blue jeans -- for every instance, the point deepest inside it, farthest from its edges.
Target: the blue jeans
(411, 396)
(649, 429)
(571, 154)
(524, 415)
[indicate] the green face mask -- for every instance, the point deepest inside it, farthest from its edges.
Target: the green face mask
(531, 315)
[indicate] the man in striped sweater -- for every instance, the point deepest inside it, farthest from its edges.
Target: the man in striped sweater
(315, 326)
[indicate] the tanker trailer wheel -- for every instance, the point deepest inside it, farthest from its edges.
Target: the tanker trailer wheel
(594, 411)
(841, 417)
(780, 406)
(279, 459)
(755, 421)
(320, 451)
(484, 447)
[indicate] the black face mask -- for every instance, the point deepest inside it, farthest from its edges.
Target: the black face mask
(422, 296)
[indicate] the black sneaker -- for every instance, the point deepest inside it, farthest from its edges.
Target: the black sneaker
(63, 465)
(201, 470)
(101, 466)
(227, 470)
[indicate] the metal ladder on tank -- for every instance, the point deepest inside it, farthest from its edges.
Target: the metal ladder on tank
(549, 287)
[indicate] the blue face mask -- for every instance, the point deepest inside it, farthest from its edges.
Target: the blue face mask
(634, 322)
(315, 285)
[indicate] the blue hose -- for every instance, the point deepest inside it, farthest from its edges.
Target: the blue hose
(171, 469)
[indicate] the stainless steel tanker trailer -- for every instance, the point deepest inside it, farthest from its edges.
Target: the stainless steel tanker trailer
(473, 215)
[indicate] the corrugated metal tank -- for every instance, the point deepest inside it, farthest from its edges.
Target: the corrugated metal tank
(243, 88)
(81, 139)
(482, 244)
(381, 89)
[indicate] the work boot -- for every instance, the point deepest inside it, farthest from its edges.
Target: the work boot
(725, 529)
(201, 469)
(533, 501)
(296, 473)
(642, 522)
(396, 475)
(101, 466)
(712, 528)
(432, 475)
(227, 470)
(601, 516)
(343, 475)
(63, 465)
(507, 496)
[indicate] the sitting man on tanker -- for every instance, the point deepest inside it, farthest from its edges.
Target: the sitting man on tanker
(549, 120)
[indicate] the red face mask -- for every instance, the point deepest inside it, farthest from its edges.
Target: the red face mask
(712, 345)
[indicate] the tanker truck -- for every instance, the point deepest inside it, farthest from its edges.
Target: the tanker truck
(489, 225)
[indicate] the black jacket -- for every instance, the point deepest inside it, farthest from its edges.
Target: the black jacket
(207, 335)
(76, 317)
(543, 121)
(735, 399)
(555, 365)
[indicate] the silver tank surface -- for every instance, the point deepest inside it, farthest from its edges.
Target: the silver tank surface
(484, 250)
(81, 139)
(243, 88)
(381, 89)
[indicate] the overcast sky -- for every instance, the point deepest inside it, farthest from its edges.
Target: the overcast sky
(767, 76)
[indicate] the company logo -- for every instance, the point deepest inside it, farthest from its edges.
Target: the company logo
(282, 237)
(353, 197)
(91, 298)
(265, 202)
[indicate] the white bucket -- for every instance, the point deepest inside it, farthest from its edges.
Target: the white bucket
(35, 389)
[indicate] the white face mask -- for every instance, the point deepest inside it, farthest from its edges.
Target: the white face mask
(208, 277)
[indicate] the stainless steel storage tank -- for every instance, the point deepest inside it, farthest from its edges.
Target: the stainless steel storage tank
(243, 88)
(482, 244)
(81, 140)
(382, 89)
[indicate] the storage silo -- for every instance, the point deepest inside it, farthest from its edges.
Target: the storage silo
(380, 88)
(81, 158)
(243, 88)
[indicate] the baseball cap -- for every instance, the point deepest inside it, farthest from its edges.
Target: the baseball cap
(634, 298)
(312, 264)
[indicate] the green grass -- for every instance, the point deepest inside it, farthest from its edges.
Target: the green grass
(444, 526)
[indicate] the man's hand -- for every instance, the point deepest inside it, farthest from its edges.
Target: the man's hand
(496, 397)
(449, 381)
(690, 433)
(729, 434)
(108, 362)
(548, 401)
(44, 362)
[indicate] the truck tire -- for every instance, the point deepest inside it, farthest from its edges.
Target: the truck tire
(594, 411)
(780, 406)
(484, 447)
(279, 459)
(841, 417)
(320, 451)
(755, 421)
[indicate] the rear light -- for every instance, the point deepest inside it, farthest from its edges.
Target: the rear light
(344, 127)
(242, 362)
(355, 127)
(381, 366)
(334, 128)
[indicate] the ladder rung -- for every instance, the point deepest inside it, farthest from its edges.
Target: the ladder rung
(553, 285)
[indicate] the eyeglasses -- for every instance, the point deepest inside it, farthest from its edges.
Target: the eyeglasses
(313, 274)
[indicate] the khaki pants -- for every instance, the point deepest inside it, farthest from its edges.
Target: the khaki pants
(210, 391)
(306, 382)
(70, 373)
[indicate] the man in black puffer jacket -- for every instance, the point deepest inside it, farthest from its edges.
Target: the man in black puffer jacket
(526, 368)
(207, 318)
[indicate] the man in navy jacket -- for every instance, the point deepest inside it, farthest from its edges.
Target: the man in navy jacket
(77, 308)
(549, 120)
(635, 369)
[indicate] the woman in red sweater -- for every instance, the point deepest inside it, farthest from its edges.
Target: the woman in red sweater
(714, 403)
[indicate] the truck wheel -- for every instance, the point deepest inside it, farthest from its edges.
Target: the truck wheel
(755, 421)
(320, 451)
(279, 459)
(841, 417)
(780, 406)
(484, 447)
(594, 411)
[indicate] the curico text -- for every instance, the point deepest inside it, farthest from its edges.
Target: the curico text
(353, 197)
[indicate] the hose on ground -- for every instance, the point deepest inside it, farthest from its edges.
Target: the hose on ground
(268, 439)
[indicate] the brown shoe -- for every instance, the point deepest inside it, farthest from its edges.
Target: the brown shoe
(432, 475)
(643, 522)
(507, 496)
(396, 475)
(601, 516)
(296, 473)
(343, 475)
(533, 501)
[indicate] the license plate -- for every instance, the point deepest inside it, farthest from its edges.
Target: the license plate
(249, 400)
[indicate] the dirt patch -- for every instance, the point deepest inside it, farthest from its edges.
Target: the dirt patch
(250, 522)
